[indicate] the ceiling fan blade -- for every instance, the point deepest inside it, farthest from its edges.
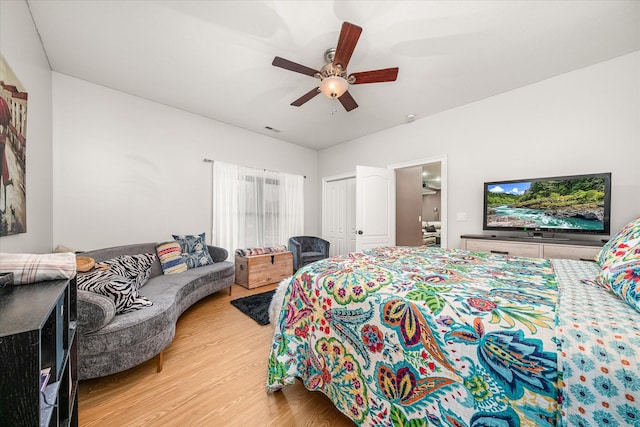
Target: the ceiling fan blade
(349, 35)
(292, 66)
(347, 101)
(306, 97)
(376, 76)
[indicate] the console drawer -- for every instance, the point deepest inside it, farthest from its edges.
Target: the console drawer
(585, 253)
(504, 248)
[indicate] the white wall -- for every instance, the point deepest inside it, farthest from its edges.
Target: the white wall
(584, 121)
(21, 48)
(129, 170)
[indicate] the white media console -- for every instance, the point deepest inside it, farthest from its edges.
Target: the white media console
(585, 250)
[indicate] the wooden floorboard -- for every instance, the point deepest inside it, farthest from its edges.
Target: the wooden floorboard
(214, 375)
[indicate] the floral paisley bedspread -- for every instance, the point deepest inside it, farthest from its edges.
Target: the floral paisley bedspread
(424, 336)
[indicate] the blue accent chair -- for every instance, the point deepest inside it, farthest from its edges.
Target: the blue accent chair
(307, 249)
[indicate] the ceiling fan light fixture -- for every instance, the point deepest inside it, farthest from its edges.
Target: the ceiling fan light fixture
(333, 76)
(333, 86)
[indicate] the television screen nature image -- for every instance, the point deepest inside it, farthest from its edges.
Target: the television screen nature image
(558, 204)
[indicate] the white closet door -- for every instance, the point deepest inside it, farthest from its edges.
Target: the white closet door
(335, 216)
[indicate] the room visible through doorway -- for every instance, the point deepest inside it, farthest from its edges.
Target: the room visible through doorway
(418, 205)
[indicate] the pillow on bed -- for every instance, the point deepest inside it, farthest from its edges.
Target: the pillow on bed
(624, 279)
(613, 273)
(620, 264)
(618, 245)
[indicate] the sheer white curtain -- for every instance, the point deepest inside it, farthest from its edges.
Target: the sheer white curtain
(225, 206)
(254, 208)
(291, 200)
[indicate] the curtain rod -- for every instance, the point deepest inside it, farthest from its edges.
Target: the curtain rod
(213, 161)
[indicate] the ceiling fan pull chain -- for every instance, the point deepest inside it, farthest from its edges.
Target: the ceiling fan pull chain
(334, 109)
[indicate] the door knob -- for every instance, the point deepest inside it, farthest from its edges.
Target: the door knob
(360, 232)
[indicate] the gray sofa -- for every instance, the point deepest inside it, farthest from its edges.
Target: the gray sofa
(109, 343)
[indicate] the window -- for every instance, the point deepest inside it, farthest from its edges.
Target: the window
(255, 207)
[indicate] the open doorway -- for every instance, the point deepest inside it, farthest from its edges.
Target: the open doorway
(431, 226)
(421, 203)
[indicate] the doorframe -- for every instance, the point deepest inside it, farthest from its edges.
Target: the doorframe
(442, 159)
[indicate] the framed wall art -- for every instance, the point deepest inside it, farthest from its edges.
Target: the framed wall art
(13, 140)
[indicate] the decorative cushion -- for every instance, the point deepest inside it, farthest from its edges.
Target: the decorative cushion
(135, 267)
(619, 243)
(194, 250)
(170, 256)
(121, 290)
(622, 277)
(620, 264)
(261, 251)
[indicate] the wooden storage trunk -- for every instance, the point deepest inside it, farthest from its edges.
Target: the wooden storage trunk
(259, 270)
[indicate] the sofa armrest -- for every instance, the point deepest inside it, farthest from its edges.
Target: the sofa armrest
(217, 253)
(95, 311)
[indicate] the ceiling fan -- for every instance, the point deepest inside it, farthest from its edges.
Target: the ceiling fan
(334, 82)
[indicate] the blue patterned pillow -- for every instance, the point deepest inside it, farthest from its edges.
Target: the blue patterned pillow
(194, 250)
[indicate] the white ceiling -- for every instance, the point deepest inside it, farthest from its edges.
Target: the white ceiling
(213, 58)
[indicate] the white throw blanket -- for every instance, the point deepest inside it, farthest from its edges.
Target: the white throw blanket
(31, 268)
(276, 302)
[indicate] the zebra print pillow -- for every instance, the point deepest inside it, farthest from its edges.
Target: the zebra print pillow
(135, 267)
(120, 289)
(119, 279)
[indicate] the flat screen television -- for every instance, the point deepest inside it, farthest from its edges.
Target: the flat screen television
(567, 204)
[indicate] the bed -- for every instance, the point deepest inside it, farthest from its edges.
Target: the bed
(412, 336)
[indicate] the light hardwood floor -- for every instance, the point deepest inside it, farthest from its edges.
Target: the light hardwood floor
(214, 375)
